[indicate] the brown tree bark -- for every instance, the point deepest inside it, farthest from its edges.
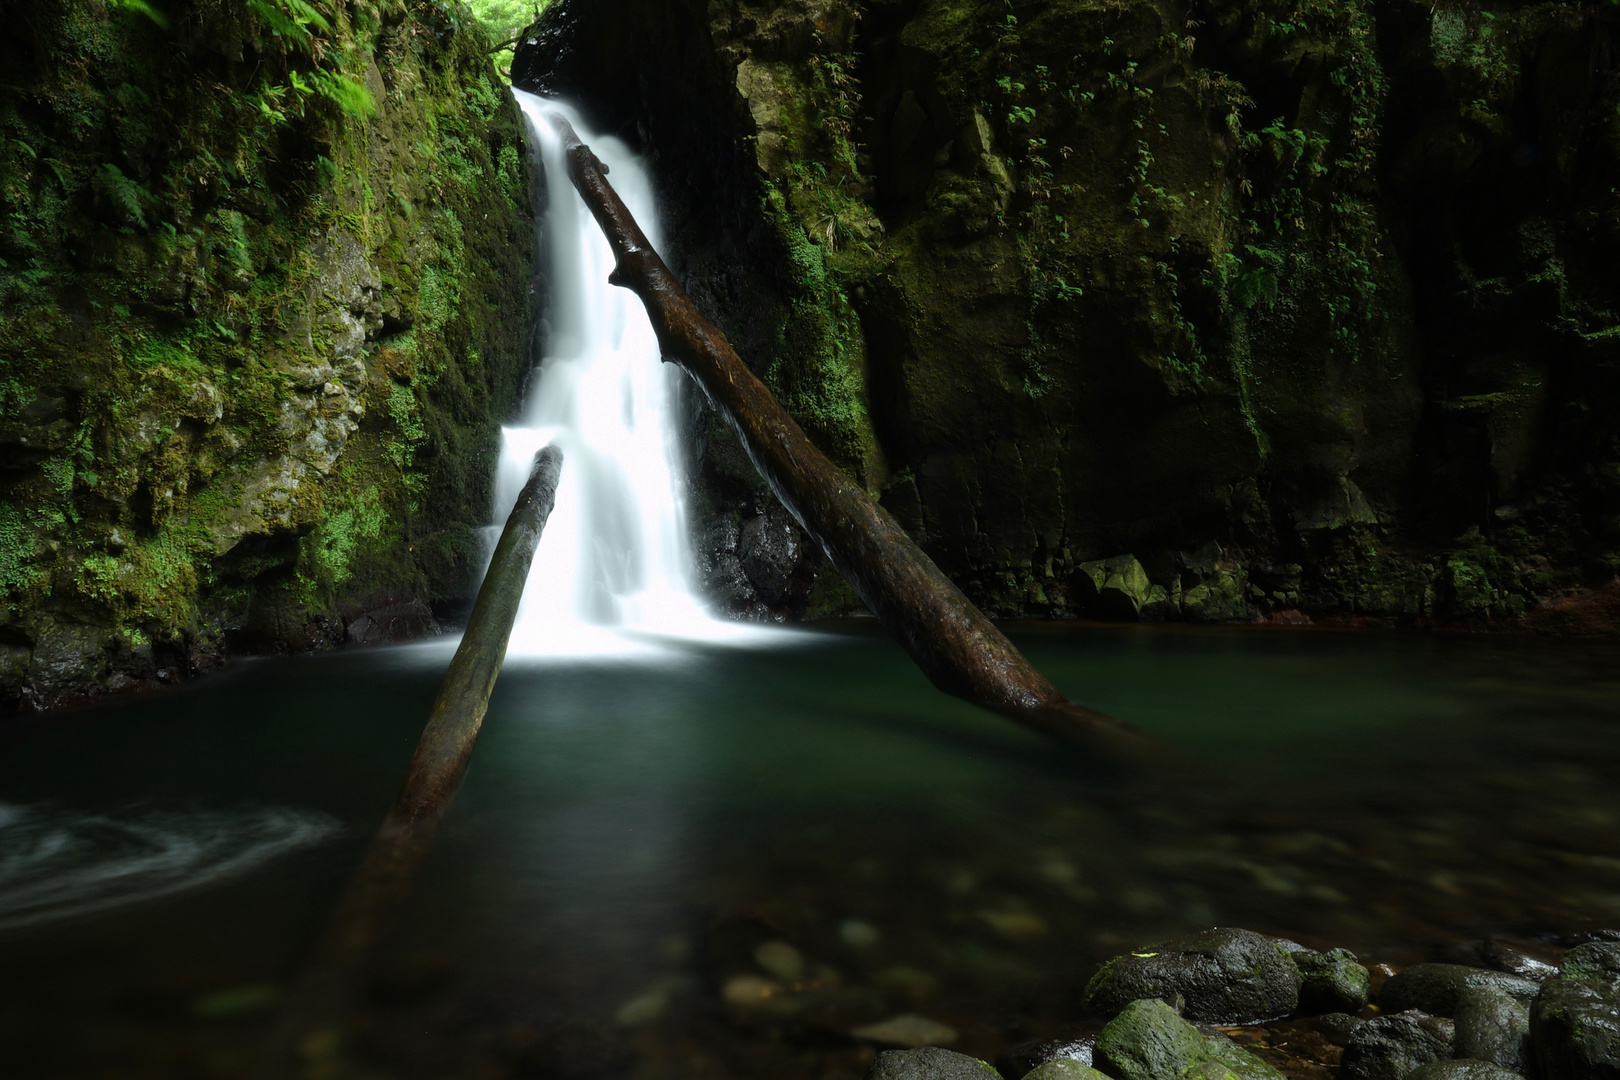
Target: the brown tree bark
(956, 645)
(308, 1038)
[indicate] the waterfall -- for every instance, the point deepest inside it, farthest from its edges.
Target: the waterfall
(613, 566)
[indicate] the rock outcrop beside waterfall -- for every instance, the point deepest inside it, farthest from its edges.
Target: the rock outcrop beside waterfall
(264, 297)
(1227, 312)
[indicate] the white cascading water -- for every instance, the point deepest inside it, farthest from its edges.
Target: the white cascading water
(613, 562)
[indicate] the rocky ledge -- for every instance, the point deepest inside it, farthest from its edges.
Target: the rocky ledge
(1228, 1004)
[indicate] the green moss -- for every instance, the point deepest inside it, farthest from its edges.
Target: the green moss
(170, 270)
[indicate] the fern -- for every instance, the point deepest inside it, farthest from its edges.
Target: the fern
(346, 91)
(143, 8)
(124, 192)
(290, 19)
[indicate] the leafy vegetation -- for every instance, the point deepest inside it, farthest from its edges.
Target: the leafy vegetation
(504, 20)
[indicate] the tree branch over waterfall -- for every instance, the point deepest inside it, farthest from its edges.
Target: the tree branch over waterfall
(956, 645)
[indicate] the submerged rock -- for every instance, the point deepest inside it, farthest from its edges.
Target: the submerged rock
(1435, 988)
(1332, 981)
(928, 1063)
(1224, 976)
(1390, 1047)
(1148, 1041)
(1493, 1026)
(908, 1029)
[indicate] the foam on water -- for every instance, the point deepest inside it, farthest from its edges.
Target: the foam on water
(612, 574)
(56, 862)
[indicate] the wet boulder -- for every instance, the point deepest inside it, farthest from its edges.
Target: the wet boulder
(1024, 1057)
(1595, 961)
(1505, 956)
(1149, 1041)
(1575, 1019)
(1435, 988)
(1224, 976)
(1461, 1069)
(1064, 1069)
(928, 1063)
(1495, 1027)
(1390, 1047)
(1331, 981)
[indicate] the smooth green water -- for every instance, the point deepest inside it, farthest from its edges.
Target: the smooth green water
(631, 832)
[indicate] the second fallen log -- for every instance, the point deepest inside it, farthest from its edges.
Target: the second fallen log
(308, 1039)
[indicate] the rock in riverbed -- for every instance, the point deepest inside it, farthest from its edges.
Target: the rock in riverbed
(929, 1063)
(1064, 1069)
(1148, 1041)
(1461, 1069)
(1332, 981)
(1575, 1019)
(1436, 988)
(1391, 1046)
(1224, 976)
(1495, 1027)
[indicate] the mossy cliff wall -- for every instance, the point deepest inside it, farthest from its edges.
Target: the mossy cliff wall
(1226, 310)
(264, 291)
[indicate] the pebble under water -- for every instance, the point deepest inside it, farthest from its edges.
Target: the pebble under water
(721, 861)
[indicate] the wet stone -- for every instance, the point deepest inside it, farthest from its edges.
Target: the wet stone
(1336, 1028)
(1575, 1027)
(1224, 976)
(1025, 1056)
(1494, 1027)
(1390, 1047)
(1435, 988)
(1332, 981)
(929, 1063)
(1594, 960)
(1064, 1069)
(1501, 956)
(1461, 1069)
(1148, 1041)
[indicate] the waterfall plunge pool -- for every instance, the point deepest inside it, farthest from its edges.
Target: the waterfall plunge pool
(636, 835)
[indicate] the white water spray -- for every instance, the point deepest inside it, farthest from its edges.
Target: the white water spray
(613, 563)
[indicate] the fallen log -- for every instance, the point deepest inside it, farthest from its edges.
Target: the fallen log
(956, 645)
(308, 1038)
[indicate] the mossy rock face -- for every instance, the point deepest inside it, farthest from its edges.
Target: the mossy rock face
(1222, 975)
(263, 302)
(1061, 280)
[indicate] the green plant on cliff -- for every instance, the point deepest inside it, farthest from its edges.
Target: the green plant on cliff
(204, 304)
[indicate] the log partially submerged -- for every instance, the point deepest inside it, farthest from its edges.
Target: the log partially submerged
(308, 1035)
(956, 645)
